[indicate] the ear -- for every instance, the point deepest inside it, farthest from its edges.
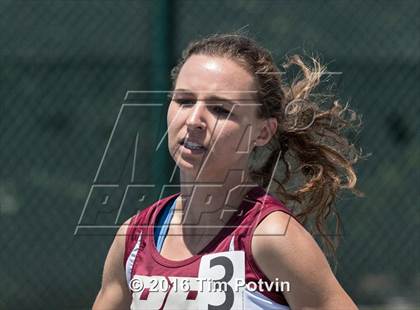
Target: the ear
(267, 131)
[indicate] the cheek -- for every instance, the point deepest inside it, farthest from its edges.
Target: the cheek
(170, 114)
(233, 141)
(172, 119)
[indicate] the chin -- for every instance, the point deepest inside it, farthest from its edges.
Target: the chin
(185, 164)
(192, 169)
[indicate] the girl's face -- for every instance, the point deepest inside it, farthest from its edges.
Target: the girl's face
(212, 123)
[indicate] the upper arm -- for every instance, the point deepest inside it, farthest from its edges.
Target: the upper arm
(283, 249)
(114, 292)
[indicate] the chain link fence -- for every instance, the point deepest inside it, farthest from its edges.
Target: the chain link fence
(65, 68)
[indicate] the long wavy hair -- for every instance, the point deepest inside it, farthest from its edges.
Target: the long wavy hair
(310, 158)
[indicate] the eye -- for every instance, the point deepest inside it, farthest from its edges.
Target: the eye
(220, 110)
(184, 101)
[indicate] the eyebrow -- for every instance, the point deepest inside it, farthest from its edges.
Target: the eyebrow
(215, 97)
(182, 91)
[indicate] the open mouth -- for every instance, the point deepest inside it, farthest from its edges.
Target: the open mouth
(192, 145)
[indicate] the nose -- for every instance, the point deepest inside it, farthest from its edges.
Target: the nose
(195, 120)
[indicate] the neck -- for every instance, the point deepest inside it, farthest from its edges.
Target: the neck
(205, 207)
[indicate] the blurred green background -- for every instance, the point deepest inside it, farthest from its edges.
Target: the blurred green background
(65, 68)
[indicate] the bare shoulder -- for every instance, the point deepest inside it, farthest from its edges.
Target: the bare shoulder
(122, 230)
(118, 246)
(286, 233)
(285, 250)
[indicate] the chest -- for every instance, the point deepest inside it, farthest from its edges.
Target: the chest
(177, 247)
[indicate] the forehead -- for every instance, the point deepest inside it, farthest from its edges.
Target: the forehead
(202, 74)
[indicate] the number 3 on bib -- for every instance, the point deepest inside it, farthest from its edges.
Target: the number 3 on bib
(223, 271)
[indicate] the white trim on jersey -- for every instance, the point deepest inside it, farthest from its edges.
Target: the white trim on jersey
(256, 300)
(232, 245)
(130, 261)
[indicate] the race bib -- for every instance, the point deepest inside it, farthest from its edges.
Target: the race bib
(220, 285)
